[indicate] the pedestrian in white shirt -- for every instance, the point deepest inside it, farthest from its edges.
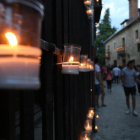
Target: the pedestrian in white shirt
(116, 73)
(97, 83)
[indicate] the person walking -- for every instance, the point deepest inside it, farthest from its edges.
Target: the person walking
(97, 83)
(116, 73)
(102, 88)
(129, 78)
(109, 79)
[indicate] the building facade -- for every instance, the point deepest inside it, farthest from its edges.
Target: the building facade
(125, 44)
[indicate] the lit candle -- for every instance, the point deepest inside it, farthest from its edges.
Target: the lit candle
(97, 116)
(86, 137)
(88, 127)
(82, 67)
(19, 64)
(87, 2)
(90, 116)
(92, 112)
(71, 67)
(96, 128)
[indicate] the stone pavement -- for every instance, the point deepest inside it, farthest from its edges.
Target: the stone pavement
(113, 123)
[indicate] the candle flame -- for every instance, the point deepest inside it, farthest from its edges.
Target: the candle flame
(96, 127)
(12, 39)
(97, 116)
(71, 59)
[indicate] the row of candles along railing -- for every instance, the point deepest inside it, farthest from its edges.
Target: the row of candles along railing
(20, 49)
(86, 135)
(89, 10)
(21, 56)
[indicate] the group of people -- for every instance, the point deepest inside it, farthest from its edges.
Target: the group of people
(129, 76)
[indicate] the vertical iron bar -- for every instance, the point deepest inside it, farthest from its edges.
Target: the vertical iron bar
(7, 117)
(47, 95)
(27, 115)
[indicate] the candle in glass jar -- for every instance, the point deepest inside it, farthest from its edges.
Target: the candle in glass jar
(97, 116)
(71, 67)
(82, 67)
(86, 138)
(19, 64)
(87, 2)
(88, 128)
(90, 116)
(96, 128)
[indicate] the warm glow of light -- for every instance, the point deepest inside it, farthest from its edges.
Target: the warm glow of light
(97, 0)
(102, 3)
(71, 59)
(12, 39)
(92, 111)
(137, 39)
(90, 89)
(82, 64)
(39, 58)
(96, 32)
(96, 127)
(97, 116)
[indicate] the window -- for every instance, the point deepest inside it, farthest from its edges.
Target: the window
(123, 42)
(108, 48)
(114, 45)
(137, 35)
(139, 47)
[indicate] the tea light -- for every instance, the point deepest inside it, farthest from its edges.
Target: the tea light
(86, 135)
(87, 2)
(96, 127)
(90, 116)
(83, 64)
(70, 64)
(97, 116)
(17, 69)
(88, 64)
(88, 125)
(88, 128)
(89, 12)
(20, 44)
(91, 66)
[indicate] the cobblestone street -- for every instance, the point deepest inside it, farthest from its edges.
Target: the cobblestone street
(113, 122)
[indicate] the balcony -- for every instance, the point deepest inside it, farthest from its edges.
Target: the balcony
(121, 51)
(107, 55)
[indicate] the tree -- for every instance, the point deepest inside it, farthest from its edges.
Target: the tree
(104, 32)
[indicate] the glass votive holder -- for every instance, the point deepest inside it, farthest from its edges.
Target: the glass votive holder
(71, 59)
(86, 135)
(91, 113)
(89, 12)
(88, 64)
(91, 66)
(20, 32)
(83, 63)
(88, 125)
(87, 3)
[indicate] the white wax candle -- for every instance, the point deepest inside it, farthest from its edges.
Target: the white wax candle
(19, 67)
(70, 68)
(90, 116)
(83, 68)
(88, 128)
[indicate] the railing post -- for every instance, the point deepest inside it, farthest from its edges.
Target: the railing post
(26, 115)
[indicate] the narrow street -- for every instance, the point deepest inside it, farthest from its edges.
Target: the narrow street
(113, 122)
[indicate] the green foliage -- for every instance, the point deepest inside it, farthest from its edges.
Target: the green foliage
(104, 32)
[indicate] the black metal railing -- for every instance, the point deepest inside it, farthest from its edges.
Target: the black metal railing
(62, 102)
